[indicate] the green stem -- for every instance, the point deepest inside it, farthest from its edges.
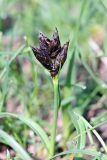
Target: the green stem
(55, 115)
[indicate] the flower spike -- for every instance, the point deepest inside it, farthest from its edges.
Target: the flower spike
(50, 53)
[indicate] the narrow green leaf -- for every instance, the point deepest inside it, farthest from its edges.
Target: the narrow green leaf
(90, 129)
(12, 143)
(89, 135)
(33, 125)
(89, 98)
(103, 4)
(67, 101)
(94, 131)
(74, 44)
(80, 128)
(83, 152)
(70, 67)
(11, 60)
(99, 118)
(94, 77)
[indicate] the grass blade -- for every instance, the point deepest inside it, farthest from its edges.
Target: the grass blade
(84, 152)
(12, 143)
(80, 128)
(94, 131)
(70, 67)
(33, 125)
(11, 60)
(93, 76)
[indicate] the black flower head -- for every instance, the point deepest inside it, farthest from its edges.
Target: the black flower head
(50, 53)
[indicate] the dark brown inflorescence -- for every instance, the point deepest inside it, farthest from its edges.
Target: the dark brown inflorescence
(50, 53)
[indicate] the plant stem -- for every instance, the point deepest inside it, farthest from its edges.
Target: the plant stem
(55, 115)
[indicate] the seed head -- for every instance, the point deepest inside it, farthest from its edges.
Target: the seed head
(50, 53)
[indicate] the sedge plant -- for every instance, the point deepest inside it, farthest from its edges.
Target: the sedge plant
(52, 56)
